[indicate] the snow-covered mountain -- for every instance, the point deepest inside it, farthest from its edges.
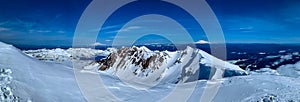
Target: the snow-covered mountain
(37, 81)
(143, 65)
(66, 56)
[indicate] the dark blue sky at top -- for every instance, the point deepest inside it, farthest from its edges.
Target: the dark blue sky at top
(53, 22)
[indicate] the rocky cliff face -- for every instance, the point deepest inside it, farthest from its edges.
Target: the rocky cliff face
(141, 58)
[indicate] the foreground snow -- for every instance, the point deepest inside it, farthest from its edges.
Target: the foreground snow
(47, 82)
(6, 94)
(39, 81)
(250, 88)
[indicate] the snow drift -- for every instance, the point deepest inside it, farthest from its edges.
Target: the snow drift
(6, 94)
(290, 70)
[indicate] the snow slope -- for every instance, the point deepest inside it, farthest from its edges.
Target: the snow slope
(47, 82)
(291, 70)
(39, 81)
(252, 88)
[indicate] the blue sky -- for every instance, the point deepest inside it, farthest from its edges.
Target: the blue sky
(53, 22)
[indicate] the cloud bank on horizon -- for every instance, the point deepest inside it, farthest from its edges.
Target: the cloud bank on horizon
(53, 22)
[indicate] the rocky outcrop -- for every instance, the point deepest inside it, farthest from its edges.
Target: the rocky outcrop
(142, 58)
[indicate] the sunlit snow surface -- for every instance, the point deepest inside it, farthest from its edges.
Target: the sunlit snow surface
(48, 82)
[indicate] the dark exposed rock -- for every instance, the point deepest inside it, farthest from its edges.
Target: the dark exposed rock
(103, 67)
(135, 56)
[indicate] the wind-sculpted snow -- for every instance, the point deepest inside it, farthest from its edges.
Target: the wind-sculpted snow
(6, 94)
(291, 70)
(179, 66)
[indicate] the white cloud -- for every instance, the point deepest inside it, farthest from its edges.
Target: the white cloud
(39, 31)
(43, 31)
(109, 27)
(61, 31)
(3, 23)
(246, 28)
(4, 29)
(97, 44)
(25, 23)
(108, 40)
(202, 42)
(126, 29)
